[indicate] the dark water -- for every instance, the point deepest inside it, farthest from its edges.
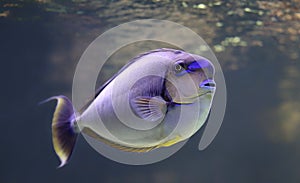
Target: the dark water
(256, 42)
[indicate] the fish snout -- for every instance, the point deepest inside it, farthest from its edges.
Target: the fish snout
(208, 85)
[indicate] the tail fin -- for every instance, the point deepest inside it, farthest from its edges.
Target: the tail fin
(63, 128)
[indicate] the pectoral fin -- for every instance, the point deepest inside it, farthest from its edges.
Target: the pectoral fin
(149, 108)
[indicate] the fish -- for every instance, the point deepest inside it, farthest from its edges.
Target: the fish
(159, 98)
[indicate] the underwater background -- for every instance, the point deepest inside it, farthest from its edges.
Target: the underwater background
(256, 42)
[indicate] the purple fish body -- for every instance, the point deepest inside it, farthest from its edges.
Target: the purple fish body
(138, 109)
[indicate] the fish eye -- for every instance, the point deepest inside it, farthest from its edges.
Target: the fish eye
(178, 67)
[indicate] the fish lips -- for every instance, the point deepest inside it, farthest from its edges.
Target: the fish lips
(208, 85)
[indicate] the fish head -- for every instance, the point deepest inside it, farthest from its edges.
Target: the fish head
(190, 77)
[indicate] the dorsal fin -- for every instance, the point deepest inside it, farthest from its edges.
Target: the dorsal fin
(98, 91)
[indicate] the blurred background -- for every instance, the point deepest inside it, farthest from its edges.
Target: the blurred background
(257, 44)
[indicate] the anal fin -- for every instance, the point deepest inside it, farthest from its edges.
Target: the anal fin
(94, 135)
(171, 142)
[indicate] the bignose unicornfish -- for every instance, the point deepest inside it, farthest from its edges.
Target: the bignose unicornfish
(139, 107)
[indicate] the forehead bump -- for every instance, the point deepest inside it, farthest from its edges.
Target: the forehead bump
(207, 66)
(194, 66)
(201, 65)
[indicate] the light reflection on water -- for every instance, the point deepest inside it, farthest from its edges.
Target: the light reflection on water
(258, 141)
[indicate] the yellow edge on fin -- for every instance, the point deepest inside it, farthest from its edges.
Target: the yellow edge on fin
(171, 142)
(93, 134)
(63, 156)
